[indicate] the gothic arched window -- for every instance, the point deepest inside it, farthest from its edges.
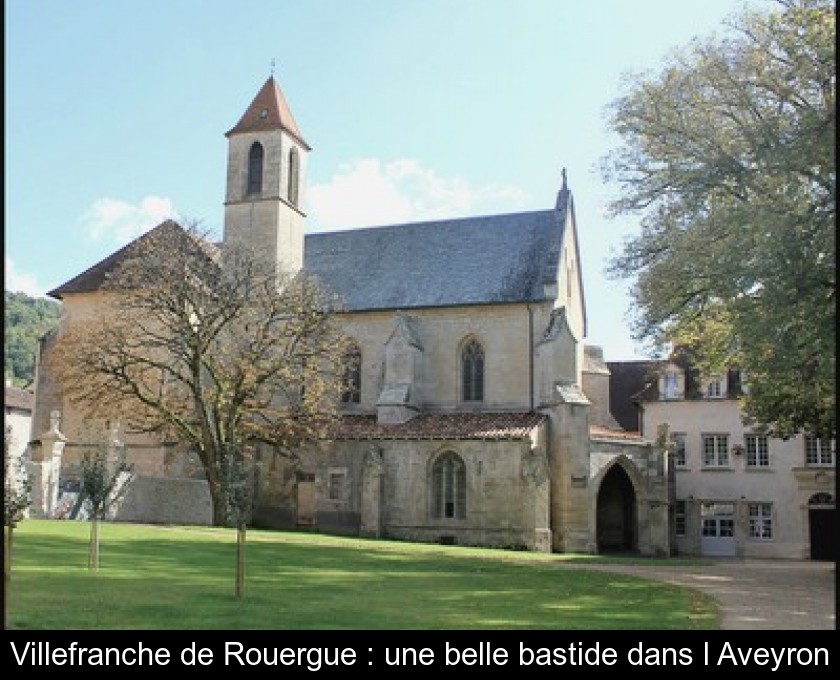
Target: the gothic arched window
(255, 168)
(472, 371)
(449, 487)
(352, 390)
(294, 175)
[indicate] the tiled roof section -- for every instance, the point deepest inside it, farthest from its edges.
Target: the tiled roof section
(627, 380)
(598, 432)
(93, 278)
(17, 398)
(479, 260)
(443, 426)
(269, 111)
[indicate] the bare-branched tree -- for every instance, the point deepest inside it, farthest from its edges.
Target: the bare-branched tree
(216, 350)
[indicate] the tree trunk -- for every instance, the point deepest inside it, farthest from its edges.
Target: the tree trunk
(93, 548)
(240, 561)
(218, 500)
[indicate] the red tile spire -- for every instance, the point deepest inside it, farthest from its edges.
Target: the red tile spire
(269, 111)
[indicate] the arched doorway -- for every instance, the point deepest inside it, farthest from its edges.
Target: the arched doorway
(822, 526)
(617, 519)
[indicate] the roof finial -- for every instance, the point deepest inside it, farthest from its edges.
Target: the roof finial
(272, 67)
(563, 172)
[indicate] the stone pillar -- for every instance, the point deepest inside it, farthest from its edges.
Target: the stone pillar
(400, 398)
(371, 502)
(535, 478)
(44, 469)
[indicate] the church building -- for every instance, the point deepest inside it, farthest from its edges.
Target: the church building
(475, 413)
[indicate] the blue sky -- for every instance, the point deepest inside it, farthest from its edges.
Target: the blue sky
(116, 112)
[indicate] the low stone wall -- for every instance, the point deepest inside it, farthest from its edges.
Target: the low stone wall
(161, 500)
(506, 538)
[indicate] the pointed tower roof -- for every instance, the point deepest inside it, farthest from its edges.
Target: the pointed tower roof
(269, 111)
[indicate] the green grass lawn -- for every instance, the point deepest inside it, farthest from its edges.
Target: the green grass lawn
(182, 578)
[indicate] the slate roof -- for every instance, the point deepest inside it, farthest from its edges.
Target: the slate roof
(491, 259)
(483, 426)
(94, 277)
(627, 380)
(476, 260)
(635, 382)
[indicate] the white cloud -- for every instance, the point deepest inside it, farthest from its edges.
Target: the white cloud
(121, 222)
(20, 282)
(368, 192)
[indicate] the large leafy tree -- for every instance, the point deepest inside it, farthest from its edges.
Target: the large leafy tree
(213, 350)
(26, 319)
(728, 155)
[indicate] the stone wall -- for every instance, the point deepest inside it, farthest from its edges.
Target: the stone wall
(507, 503)
(786, 482)
(503, 331)
(646, 468)
(268, 223)
(160, 500)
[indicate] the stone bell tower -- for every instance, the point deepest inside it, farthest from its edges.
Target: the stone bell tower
(265, 178)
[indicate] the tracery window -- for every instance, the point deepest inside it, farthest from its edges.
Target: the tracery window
(352, 390)
(472, 371)
(449, 487)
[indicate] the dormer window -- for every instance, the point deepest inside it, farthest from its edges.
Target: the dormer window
(255, 168)
(715, 387)
(671, 390)
(671, 383)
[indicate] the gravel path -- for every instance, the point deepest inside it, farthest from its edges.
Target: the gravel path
(757, 594)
